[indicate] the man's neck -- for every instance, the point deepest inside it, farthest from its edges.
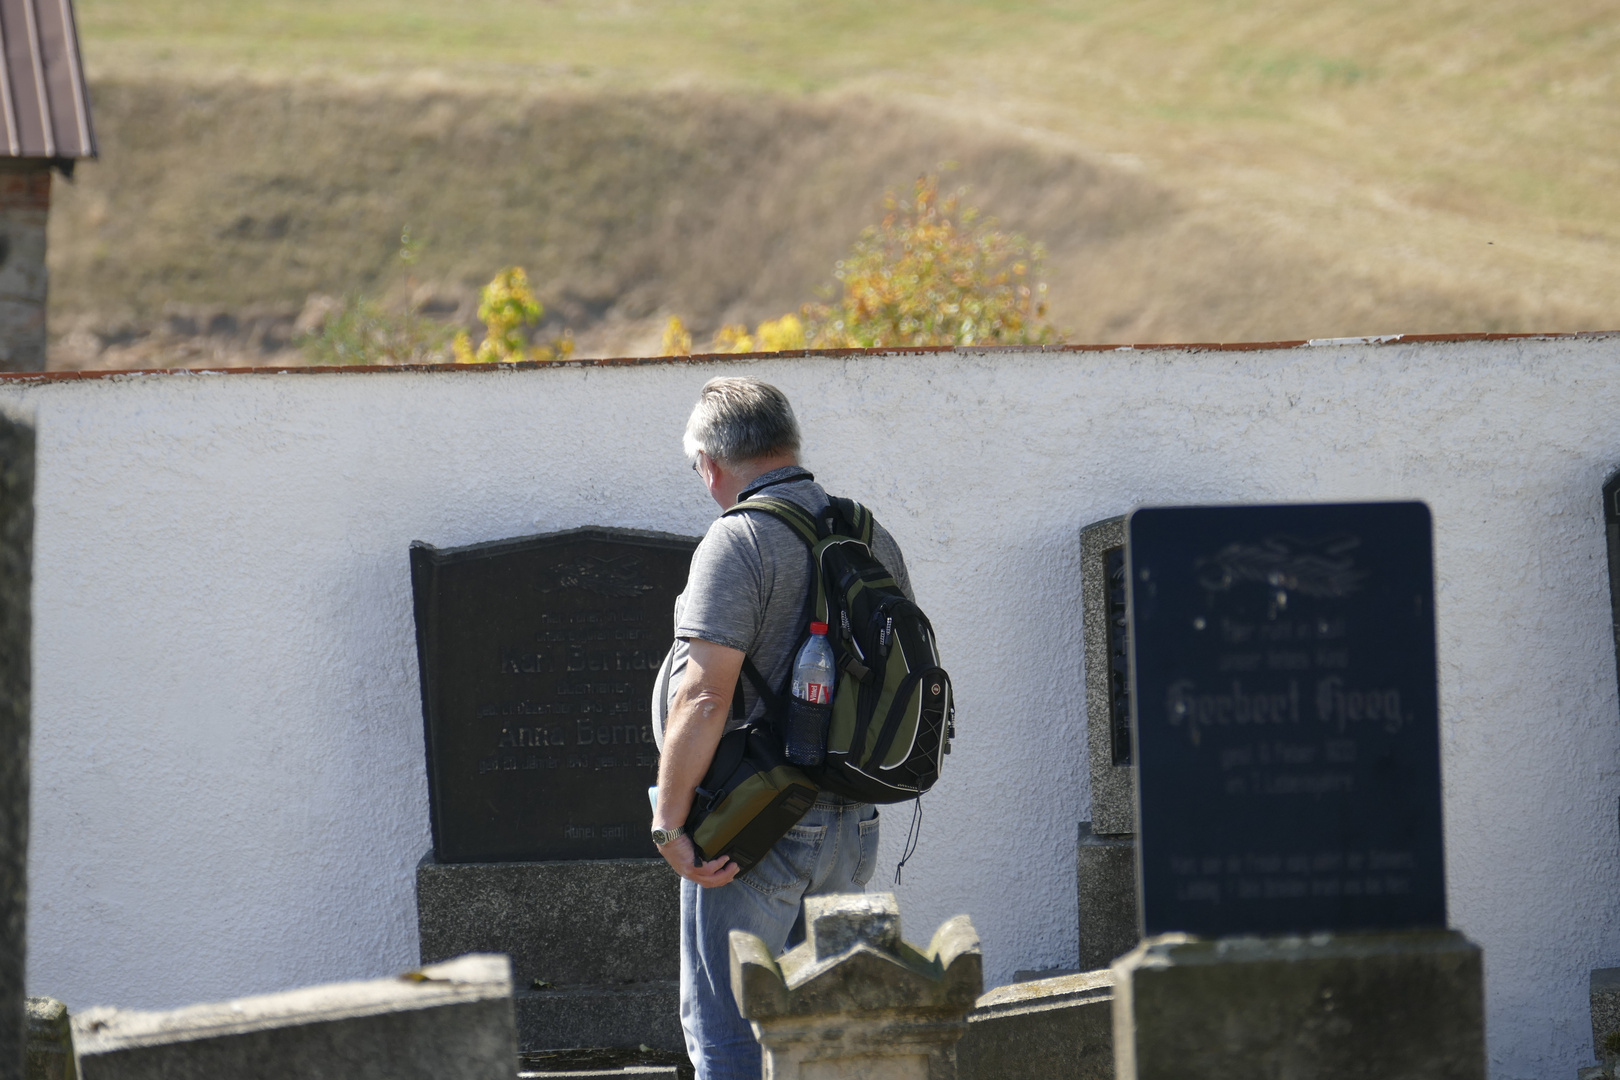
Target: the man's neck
(753, 470)
(736, 479)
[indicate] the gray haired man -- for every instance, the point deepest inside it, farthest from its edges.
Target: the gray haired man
(745, 596)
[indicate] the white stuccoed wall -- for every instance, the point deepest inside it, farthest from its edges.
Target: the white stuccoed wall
(229, 794)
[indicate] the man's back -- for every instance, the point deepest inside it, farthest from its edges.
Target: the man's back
(749, 588)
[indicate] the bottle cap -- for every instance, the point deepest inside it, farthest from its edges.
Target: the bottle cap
(818, 628)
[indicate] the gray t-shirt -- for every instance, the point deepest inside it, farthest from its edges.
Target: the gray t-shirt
(747, 589)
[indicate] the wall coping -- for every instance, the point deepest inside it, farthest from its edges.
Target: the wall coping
(12, 377)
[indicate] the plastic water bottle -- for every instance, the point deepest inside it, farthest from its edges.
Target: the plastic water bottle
(810, 709)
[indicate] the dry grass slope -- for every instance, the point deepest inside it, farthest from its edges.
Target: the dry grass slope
(1238, 170)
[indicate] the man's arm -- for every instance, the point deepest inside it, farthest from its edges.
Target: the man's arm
(697, 719)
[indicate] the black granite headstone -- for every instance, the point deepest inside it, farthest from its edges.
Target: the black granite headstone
(537, 659)
(1284, 703)
(1611, 528)
(16, 576)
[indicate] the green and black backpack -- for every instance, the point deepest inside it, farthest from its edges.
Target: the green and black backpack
(892, 715)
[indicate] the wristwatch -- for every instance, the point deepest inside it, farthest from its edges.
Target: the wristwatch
(661, 837)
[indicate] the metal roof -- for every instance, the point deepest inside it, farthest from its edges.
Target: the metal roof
(44, 105)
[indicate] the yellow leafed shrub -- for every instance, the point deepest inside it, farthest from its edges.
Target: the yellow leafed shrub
(677, 338)
(773, 335)
(732, 338)
(933, 273)
(780, 335)
(507, 308)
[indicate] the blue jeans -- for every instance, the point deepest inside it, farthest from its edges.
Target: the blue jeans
(832, 850)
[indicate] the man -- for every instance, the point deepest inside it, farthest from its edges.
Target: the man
(745, 596)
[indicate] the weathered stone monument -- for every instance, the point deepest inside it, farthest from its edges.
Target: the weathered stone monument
(50, 1041)
(1105, 860)
(537, 659)
(16, 574)
(1285, 711)
(446, 1020)
(855, 1001)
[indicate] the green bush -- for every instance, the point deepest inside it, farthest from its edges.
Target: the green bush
(363, 331)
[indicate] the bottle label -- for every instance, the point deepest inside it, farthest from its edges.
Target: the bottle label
(817, 693)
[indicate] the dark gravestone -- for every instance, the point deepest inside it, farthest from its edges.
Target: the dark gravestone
(1286, 717)
(537, 660)
(1611, 528)
(16, 574)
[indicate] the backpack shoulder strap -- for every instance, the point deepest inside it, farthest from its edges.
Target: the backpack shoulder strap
(803, 525)
(857, 517)
(791, 514)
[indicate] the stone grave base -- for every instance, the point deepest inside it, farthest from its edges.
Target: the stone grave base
(627, 1017)
(1046, 1029)
(447, 1020)
(595, 944)
(560, 1064)
(1105, 867)
(1407, 1006)
(1604, 994)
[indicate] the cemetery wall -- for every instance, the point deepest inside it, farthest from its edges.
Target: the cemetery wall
(228, 785)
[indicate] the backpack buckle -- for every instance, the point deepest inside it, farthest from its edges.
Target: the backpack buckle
(859, 671)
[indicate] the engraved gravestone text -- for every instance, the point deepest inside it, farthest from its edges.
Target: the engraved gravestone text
(538, 660)
(1286, 716)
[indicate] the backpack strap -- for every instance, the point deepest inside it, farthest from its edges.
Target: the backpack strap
(808, 529)
(842, 517)
(857, 519)
(791, 514)
(775, 703)
(804, 527)
(773, 700)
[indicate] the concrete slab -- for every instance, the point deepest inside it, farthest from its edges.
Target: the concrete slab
(595, 944)
(1407, 1006)
(450, 1021)
(1046, 1029)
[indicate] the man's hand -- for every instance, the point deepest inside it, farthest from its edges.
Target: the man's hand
(682, 857)
(697, 719)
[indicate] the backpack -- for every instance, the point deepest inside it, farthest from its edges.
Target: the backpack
(892, 716)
